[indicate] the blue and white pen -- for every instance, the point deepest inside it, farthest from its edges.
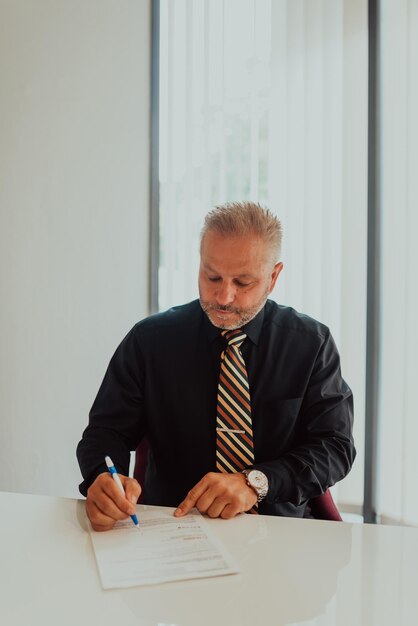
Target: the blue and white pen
(115, 476)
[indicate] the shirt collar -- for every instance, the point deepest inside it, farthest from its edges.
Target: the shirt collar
(252, 329)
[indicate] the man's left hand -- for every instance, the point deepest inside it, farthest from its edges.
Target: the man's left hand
(219, 495)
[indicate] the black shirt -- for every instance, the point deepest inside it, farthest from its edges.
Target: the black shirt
(162, 383)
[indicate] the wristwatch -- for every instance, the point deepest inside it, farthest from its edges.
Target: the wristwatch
(257, 480)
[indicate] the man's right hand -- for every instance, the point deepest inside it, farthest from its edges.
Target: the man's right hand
(106, 504)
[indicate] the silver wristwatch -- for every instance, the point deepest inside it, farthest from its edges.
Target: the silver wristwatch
(257, 480)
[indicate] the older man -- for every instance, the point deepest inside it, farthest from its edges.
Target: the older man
(241, 399)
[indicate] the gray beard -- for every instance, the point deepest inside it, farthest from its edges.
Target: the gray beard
(245, 315)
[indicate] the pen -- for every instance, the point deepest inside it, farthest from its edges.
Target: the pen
(115, 476)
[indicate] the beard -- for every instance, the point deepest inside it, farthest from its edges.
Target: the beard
(244, 315)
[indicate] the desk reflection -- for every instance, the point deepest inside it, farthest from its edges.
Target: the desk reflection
(289, 574)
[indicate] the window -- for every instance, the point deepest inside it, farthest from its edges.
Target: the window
(267, 101)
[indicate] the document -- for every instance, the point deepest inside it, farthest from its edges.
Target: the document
(163, 549)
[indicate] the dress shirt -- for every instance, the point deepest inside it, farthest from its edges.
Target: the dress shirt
(162, 383)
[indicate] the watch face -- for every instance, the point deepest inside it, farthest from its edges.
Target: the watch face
(257, 478)
(258, 481)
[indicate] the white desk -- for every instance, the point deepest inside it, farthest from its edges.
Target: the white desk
(292, 572)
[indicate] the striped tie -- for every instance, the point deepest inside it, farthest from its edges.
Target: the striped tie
(234, 441)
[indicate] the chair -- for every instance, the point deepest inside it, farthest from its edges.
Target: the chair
(322, 507)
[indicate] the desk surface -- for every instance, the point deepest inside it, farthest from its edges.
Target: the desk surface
(292, 572)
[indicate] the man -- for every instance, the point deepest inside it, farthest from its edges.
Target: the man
(221, 387)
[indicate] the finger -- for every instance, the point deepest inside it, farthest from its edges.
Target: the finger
(112, 491)
(212, 494)
(105, 484)
(98, 519)
(217, 507)
(109, 508)
(101, 529)
(192, 497)
(132, 489)
(230, 511)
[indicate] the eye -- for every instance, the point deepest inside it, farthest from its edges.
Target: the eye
(241, 284)
(213, 279)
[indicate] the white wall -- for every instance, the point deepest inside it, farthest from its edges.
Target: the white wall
(74, 198)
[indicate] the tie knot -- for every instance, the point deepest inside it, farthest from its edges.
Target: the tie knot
(234, 337)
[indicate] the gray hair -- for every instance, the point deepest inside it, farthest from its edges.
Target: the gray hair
(246, 218)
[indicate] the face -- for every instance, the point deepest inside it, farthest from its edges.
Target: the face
(235, 278)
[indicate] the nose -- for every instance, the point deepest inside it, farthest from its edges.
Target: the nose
(225, 294)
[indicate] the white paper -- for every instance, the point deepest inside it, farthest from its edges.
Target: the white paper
(165, 548)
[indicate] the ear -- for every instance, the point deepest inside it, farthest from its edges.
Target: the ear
(274, 275)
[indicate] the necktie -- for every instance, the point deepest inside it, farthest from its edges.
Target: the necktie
(234, 440)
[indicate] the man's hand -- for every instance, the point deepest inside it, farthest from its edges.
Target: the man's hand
(219, 495)
(106, 504)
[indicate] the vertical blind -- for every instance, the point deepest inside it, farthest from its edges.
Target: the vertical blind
(398, 459)
(267, 100)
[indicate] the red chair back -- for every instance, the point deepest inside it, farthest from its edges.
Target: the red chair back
(324, 507)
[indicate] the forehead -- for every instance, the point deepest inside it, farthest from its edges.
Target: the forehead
(238, 255)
